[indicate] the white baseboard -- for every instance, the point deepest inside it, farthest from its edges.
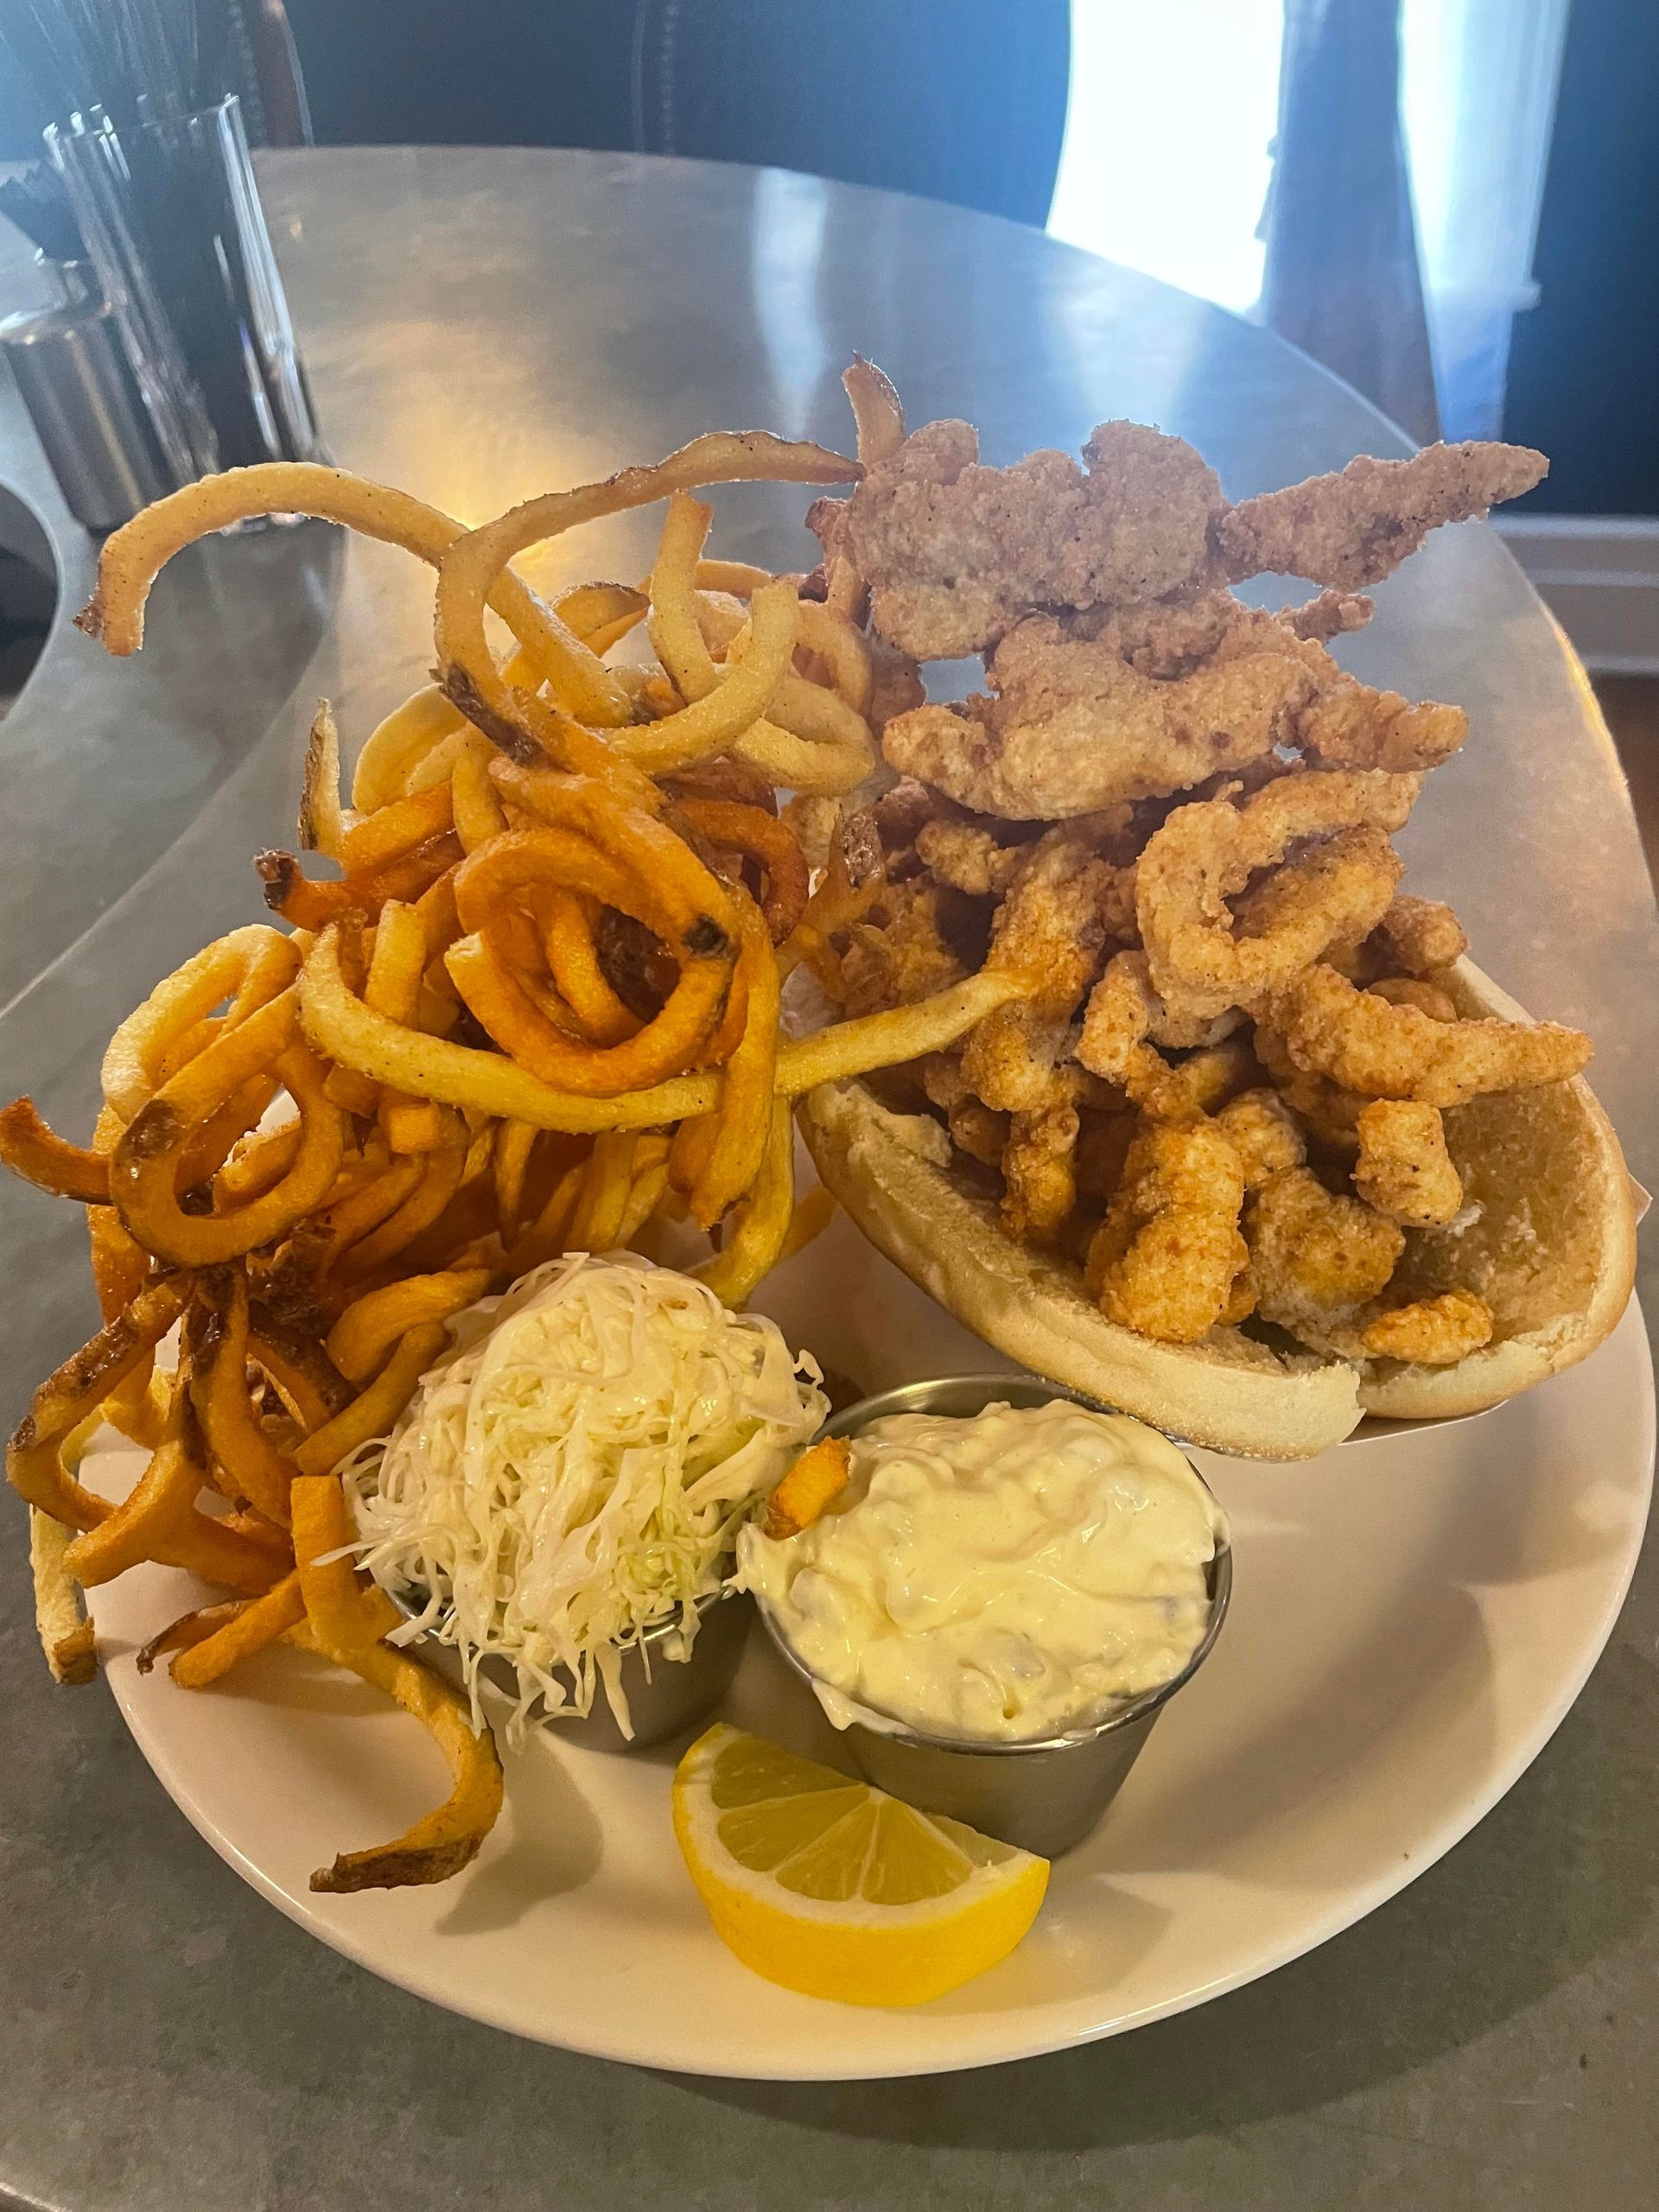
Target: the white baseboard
(1599, 577)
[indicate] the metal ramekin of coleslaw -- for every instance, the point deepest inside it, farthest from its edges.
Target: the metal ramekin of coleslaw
(558, 1509)
(1001, 1600)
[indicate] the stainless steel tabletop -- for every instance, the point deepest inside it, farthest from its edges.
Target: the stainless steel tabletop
(480, 326)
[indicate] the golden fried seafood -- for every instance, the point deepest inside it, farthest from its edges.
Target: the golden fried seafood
(1422, 934)
(957, 553)
(1263, 1131)
(1431, 1332)
(1364, 1044)
(1416, 990)
(1039, 1168)
(1049, 931)
(1164, 1259)
(1206, 853)
(1356, 526)
(1073, 727)
(1316, 1255)
(1351, 726)
(1404, 1169)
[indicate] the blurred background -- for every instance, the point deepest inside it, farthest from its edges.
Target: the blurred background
(1454, 204)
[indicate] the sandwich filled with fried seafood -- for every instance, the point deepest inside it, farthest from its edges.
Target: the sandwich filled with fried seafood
(1256, 1149)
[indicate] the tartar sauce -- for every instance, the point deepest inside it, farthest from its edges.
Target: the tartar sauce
(1009, 1577)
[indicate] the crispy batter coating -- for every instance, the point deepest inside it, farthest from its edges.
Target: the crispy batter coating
(1434, 1331)
(1354, 528)
(1422, 934)
(1118, 1016)
(1364, 1044)
(1206, 853)
(1103, 1141)
(906, 956)
(1039, 1166)
(1050, 930)
(968, 856)
(1164, 1259)
(1329, 614)
(1351, 726)
(957, 553)
(1324, 1109)
(1416, 990)
(1074, 727)
(1316, 1257)
(1404, 1169)
(1262, 1131)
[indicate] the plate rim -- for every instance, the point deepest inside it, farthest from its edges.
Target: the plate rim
(1354, 1906)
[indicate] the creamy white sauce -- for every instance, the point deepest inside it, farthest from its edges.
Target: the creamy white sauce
(1006, 1578)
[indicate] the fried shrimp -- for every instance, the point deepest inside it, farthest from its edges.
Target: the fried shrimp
(1364, 1044)
(1166, 1258)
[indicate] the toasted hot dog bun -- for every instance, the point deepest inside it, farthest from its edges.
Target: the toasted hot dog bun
(1552, 1250)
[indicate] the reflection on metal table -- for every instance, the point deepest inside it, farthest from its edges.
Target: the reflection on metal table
(480, 326)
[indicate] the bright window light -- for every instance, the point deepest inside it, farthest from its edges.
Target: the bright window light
(1165, 163)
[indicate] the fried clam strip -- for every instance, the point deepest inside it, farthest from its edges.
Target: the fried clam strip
(1317, 1256)
(956, 553)
(1431, 1332)
(1421, 935)
(1206, 853)
(470, 575)
(76, 1390)
(134, 556)
(1124, 1011)
(1263, 1131)
(1364, 1044)
(1074, 727)
(346, 1030)
(1404, 1170)
(1356, 526)
(1166, 1258)
(1047, 935)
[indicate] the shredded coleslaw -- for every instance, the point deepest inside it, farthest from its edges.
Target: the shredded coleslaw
(574, 1469)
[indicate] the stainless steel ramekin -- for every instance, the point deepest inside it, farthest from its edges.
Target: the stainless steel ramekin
(665, 1695)
(1044, 1796)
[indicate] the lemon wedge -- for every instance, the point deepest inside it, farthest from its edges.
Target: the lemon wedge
(837, 1890)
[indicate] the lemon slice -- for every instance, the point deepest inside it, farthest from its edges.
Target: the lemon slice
(837, 1890)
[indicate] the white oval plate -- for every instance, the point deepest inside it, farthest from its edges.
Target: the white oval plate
(1410, 1623)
